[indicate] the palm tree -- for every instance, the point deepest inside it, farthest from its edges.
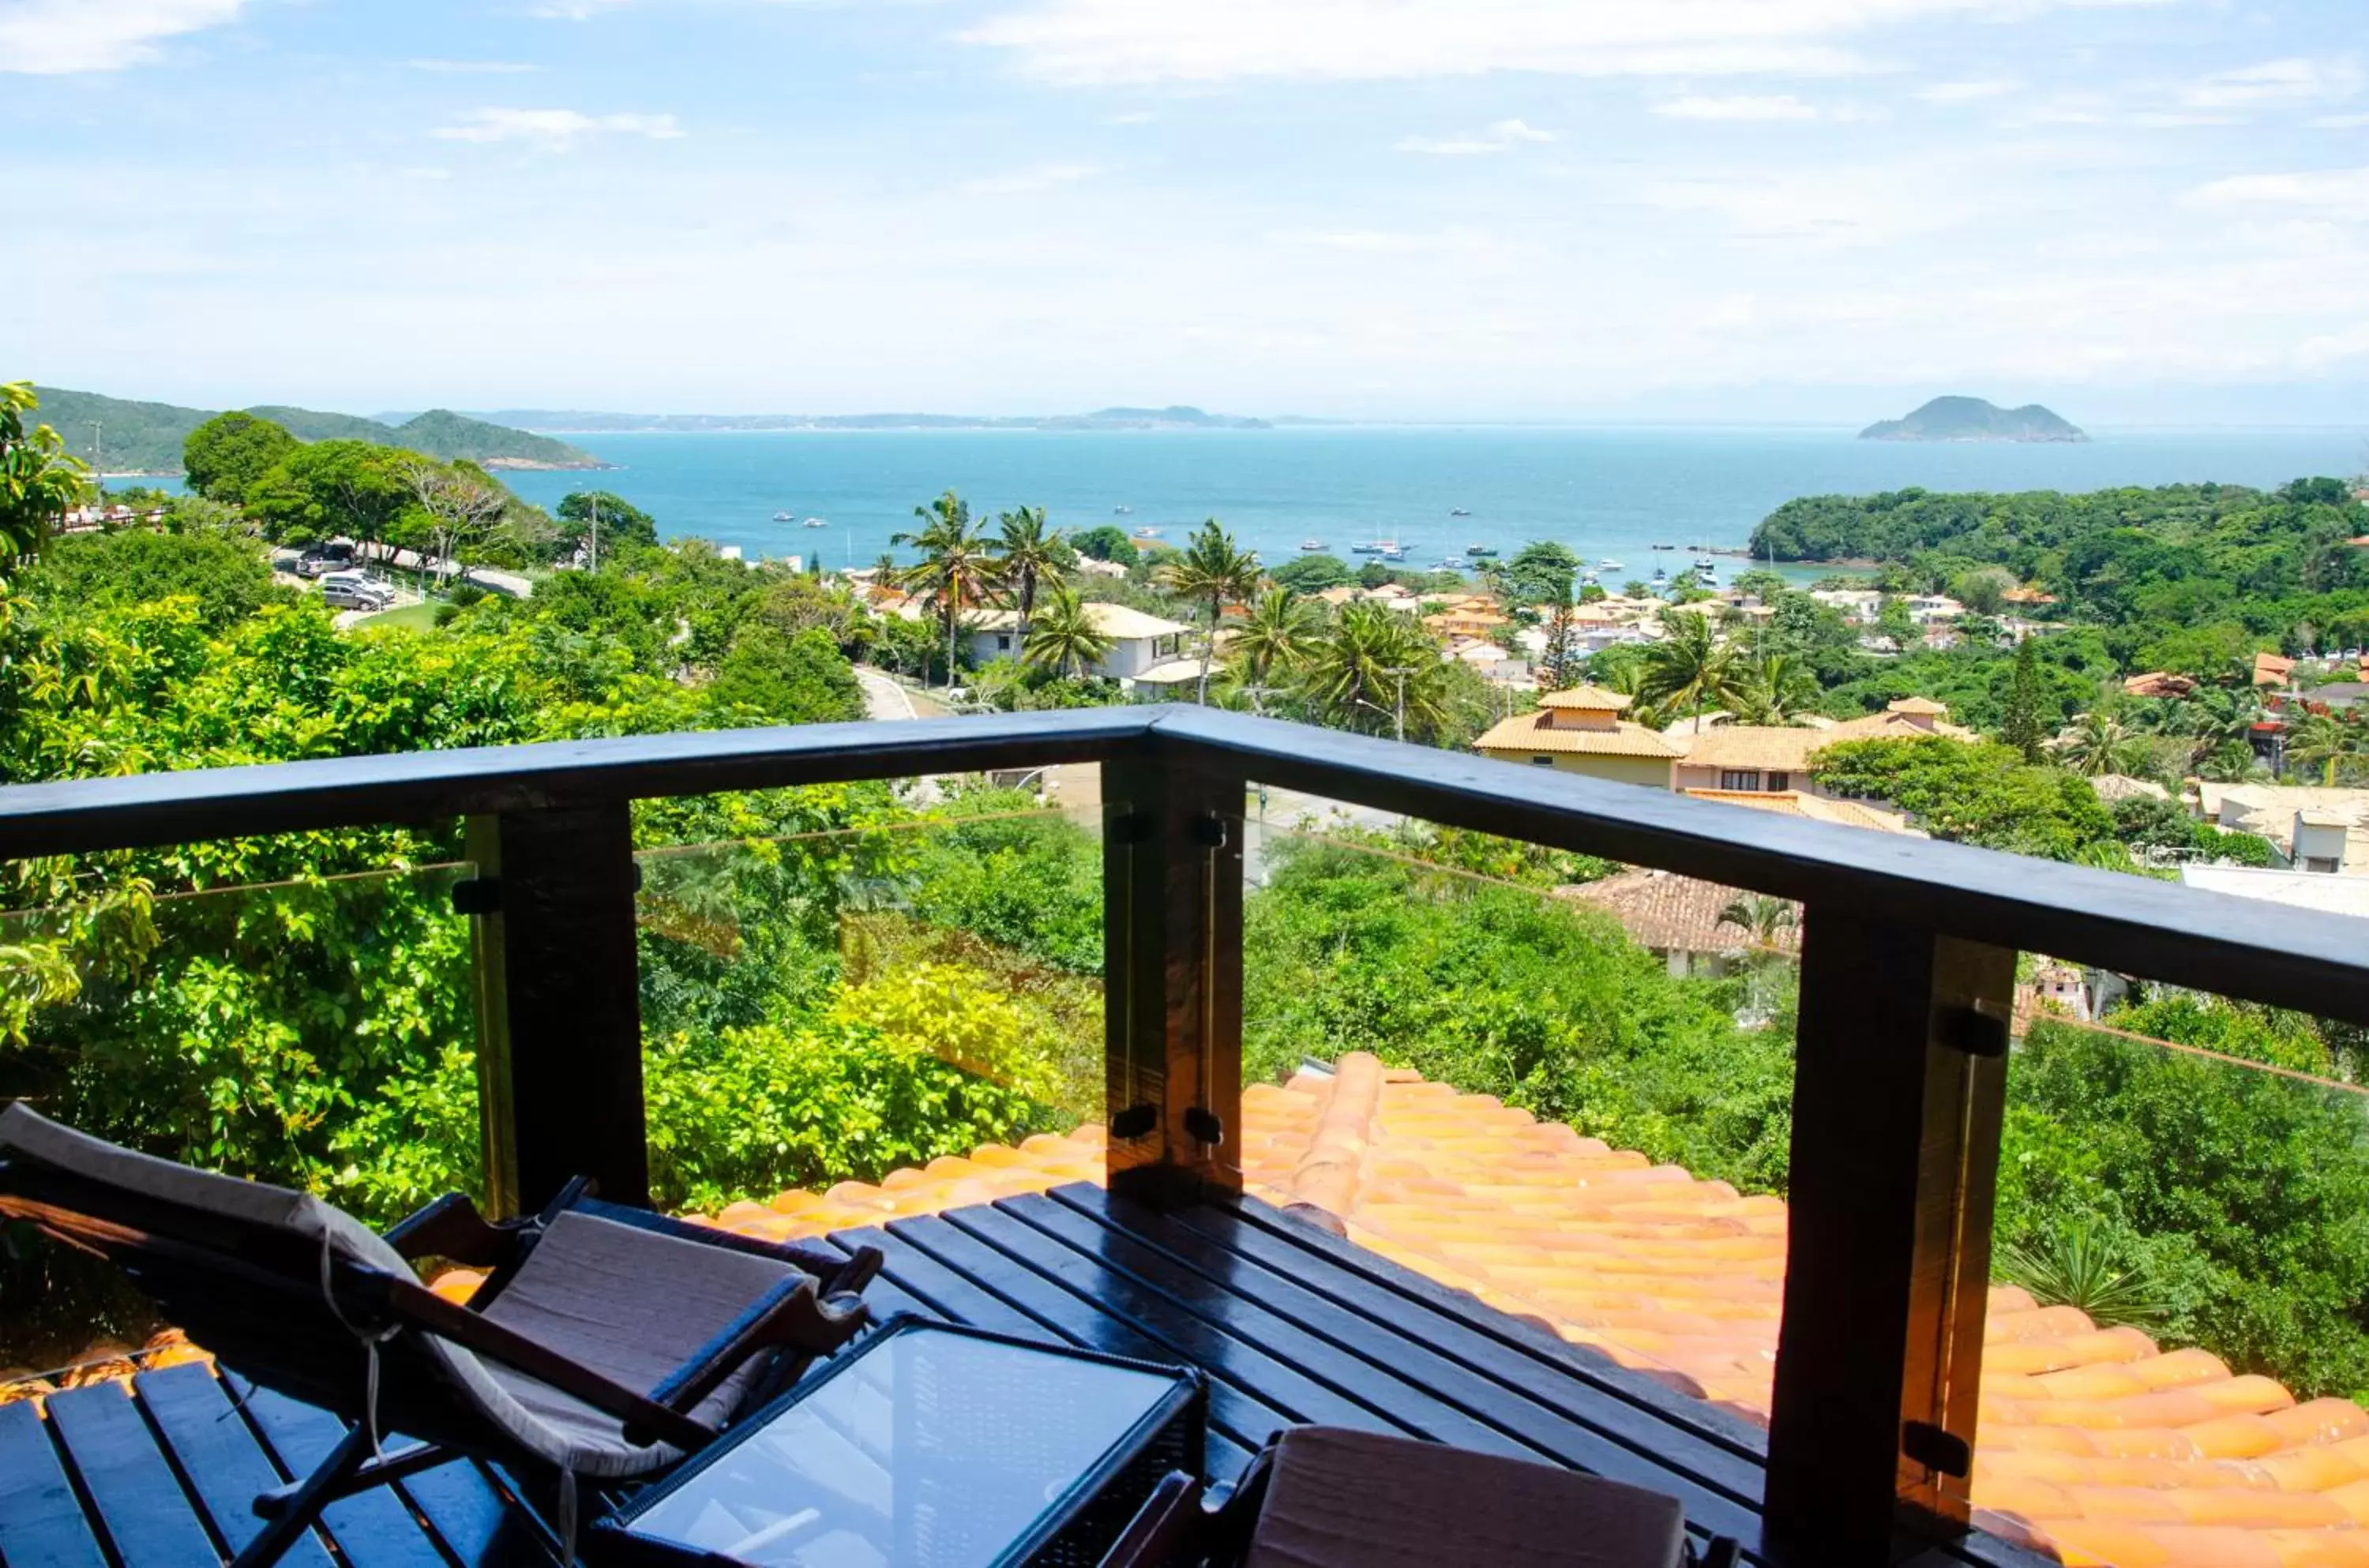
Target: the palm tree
(1028, 557)
(2327, 742)
(1763, 919)
(38, 482)
(2099, 743)
(1066, 638)
(1279, 635)
(2213, 718)
(954, 570)
(1375, 668)
(1690, 670)
(1776, 689)
(1211, 570)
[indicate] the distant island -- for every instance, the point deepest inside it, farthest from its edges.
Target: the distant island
(126, 436)
(1972, 419)
(580, 421)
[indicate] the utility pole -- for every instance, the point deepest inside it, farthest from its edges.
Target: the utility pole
(1401, 672)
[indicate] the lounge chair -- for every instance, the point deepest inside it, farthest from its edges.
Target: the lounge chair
(604, 1344)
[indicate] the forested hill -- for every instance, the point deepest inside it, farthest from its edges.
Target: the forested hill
(145, 438)
(2220, 567)
(1973, 419)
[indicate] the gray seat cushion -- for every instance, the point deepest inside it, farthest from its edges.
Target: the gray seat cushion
(633, 1305)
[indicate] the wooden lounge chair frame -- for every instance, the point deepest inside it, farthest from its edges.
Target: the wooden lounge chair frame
(336, 1318)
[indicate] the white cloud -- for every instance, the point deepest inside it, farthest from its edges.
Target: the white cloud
(1027, 181)
(556, 130)
(1775, 106)
(2344, 193)
(474, 67)
(1085, 42)
(2331, 348)
(2340, 121)
(2274, 81)
(59, 37)
(1968, 92)
(1502, 137)
(576, 10)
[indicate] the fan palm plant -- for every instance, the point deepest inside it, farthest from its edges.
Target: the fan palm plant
(1065, 638)
(2081, 1265)
(1277, 638)
(1373, 667)
(955, 570)
(1028, 557)
(1763, 919)
(1209, 572)
(1690, 670)
(1775, 689)
(2326, 742)
(2099, 743)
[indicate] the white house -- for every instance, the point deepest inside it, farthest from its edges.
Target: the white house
(1138, 642)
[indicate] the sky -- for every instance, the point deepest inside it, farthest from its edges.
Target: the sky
(2140, 212)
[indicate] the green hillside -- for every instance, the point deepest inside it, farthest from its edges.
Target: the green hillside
(126, 436)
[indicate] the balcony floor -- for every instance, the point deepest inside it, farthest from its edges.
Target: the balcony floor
(1290, 1323)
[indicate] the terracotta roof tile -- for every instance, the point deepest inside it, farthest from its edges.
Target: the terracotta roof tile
(1587, 699)
(2095, 1443)
(1534, 733)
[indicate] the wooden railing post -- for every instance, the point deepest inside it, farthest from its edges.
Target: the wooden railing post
(559, 1005)
(1173, 973)
(1899, 1087)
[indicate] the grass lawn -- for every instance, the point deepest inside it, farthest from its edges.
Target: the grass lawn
(410, 618)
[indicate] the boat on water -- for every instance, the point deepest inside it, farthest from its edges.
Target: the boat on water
(1447, 564)
(784, 517)
(1371, 547)
(1611, 567)
(1480, 551)
(1665, 546)
(1394, 552)
(1311, 545)
(1705, 564)
(1122, 511)
(1147, 533)
(1587, 579)
(816, 522)
(1458, 511)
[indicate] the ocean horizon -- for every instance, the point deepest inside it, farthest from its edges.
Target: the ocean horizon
(1610, 492)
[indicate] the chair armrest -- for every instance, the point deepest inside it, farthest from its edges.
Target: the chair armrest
(789, 1315)
(1166, 1529)
(452, 1227)
(647, 1420)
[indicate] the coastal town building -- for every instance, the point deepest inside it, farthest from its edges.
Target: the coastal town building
(2318, 830)
(1680, 919)
(1582, 731)
(1776, 759)
(1139, 643)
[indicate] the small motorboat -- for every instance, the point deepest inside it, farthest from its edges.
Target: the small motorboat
(784, 517)
(1480, 552)
(1458, 511)
(1311, 545)
(1665, 546)
(1611, 567)
(1369, 548)
(1394, 552)
(816, 522)
(1147, 532)
(1448, 563)
(1122, 511)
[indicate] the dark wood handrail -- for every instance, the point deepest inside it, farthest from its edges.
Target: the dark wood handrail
(2304, 959)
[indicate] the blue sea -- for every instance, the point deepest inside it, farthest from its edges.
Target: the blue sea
(1610, 493)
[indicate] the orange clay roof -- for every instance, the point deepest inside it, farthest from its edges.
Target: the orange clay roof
(2271, 670)
(1671, 913)
(1817, 808)
(1537, 732)
(1588, 699)
(2095, 1443)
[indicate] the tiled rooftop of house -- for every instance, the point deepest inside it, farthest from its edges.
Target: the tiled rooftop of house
(1537, 732)
(2095, 1443)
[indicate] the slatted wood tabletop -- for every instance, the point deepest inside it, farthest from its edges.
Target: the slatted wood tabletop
(1291, 1325)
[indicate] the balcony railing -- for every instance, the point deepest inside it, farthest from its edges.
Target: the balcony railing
(1907, 975)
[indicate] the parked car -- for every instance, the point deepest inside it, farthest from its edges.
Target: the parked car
(352, 591)
(320, 560)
